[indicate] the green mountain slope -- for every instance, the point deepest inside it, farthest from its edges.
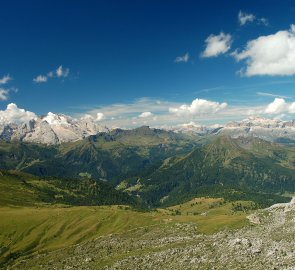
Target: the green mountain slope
(107, 156)
(161, 166)
(22, 189)
(225, 164)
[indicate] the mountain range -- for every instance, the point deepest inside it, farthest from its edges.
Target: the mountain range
(159, 166)
(55, 129)
(163, 167)
(108, 156)
(274, 130)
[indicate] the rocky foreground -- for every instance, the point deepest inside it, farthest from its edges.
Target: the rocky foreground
(267, 242)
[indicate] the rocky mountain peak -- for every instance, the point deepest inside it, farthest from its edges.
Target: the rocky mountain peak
(51, 129)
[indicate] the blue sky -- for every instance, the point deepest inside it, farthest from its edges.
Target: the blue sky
(119, 59)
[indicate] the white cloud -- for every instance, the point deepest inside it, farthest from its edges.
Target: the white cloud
(4, 91)
(292, 108)
(134, 108)
(62, 72)
(99, 116)
(4, 94)
(55, 119)
(145, 115)
(270, 55)
(40, 79)
(124, 114)
(245, 17)
(183, 58)
(5, 79)
(86, 117)
(280, 106)
(217, 44)
(13, 114)
(198, 107)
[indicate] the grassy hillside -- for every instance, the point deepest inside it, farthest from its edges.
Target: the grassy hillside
(28, 230)
(25, 231)
(20, 189)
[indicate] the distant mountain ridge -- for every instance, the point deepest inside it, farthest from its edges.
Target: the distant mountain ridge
(274, 130)
(55, 129)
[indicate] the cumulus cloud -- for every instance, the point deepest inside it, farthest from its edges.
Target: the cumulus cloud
(269, 55)
(198, 107)
(99, 116)
(145, 115)
(245, 17)
(291, 108)
(183, 58)
(279, 106)
(217, 44)
(13, 114)
(5, 79)
(55, 119)
(40, 79)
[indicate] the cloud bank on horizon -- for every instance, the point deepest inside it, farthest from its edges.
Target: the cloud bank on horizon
(165, 113)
